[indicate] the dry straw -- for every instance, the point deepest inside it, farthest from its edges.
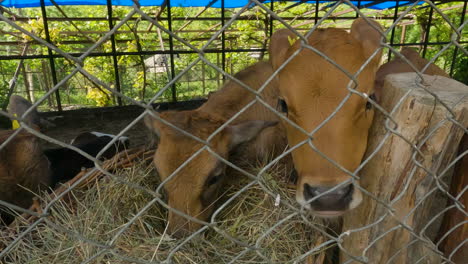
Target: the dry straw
(89, 217)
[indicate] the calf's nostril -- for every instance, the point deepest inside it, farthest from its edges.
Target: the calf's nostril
(325, 196)
(310, 192)
(346, 191)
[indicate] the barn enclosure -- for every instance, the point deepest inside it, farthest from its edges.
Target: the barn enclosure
(103, 66)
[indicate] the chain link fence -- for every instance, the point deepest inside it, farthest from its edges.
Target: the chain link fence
(117, 212)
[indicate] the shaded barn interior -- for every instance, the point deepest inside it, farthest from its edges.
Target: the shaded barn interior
(109, 120)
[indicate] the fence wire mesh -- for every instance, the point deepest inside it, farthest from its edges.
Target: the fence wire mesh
(245, 209)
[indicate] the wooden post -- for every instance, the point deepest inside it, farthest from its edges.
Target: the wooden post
(454, 229)
(47, 83)
(28, 83)
(403, 34)
(400, 235)
(218, 75)
(203, 78)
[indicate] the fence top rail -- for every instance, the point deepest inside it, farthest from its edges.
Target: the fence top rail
(191, 3)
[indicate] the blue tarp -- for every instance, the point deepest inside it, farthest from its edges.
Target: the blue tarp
(183, 3)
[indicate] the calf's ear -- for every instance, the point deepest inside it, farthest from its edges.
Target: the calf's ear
(179, 119)
(247, 131)
(280, 43)
(152, 124)
(367, 33)
(17, 106)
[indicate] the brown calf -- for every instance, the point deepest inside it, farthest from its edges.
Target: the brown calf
(398, 65)
(24, 171)
(194, 189)
(311, 88)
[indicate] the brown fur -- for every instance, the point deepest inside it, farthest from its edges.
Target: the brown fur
(188, 191)
(18, 106)
(24, 170)
(398, 65)
(313, 88)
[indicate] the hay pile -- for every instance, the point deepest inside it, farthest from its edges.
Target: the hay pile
(85, 227)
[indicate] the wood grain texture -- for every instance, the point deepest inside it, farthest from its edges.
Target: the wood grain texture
(401, 176)
(454, 229)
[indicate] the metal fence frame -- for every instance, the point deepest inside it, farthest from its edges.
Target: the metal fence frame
(77, 59)
(51, 55)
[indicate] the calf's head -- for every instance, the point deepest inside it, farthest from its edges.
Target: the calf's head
(18, 105)
(194, 188)
(311, 88)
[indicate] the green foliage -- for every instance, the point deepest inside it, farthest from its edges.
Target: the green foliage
(3, 94)
(461, 69)
(100, 97)
(141, 82)
(440, 31)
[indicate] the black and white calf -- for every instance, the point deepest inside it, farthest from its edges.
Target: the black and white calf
(66, 163)
(26, 169)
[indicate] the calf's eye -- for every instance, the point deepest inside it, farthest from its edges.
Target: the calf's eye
(214, 178)
(368, 104)
(282, 106)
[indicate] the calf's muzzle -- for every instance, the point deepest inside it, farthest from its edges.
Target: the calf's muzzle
(326, 202)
